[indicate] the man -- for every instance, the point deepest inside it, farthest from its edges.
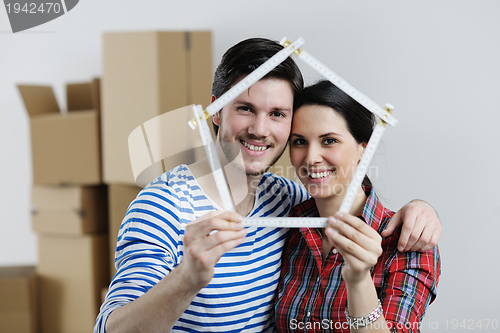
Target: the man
(183, 266)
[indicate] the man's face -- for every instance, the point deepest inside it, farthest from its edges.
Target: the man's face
(258, 122)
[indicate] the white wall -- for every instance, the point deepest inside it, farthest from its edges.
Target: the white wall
(437, 61)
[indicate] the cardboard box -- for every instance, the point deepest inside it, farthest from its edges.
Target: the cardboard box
(69, 210)
(18, 300)
(72, 272)
(65, 147)
(156, 147)
(146, 74)
(120, 197)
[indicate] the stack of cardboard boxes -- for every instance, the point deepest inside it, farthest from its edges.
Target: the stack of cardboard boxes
(145, 76)
(69, 205)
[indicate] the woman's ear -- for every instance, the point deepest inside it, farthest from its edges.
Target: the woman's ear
(362, 147)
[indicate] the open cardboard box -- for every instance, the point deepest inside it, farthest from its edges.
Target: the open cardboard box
(65, 147)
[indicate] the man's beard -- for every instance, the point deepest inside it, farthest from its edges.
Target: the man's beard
(231, 151)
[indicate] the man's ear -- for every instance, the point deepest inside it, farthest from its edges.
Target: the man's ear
(215, 117)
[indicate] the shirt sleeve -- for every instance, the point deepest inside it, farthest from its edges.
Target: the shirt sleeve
(147, 249)
(412, 279)
(296, 192)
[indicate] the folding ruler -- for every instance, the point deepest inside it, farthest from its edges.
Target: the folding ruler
(383, 114)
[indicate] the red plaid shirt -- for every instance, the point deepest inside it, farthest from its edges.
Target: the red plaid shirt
(312, 298)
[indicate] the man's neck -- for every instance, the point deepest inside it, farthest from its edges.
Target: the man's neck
(241, 186)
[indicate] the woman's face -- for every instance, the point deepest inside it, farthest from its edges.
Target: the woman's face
(323, 151)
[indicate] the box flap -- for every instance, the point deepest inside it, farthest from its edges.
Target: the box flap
(83, 96)
(78, 96)
(39, 99)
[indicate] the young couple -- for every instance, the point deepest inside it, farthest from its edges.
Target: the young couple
(176, 274)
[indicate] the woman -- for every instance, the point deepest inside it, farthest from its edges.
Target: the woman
(345, 278)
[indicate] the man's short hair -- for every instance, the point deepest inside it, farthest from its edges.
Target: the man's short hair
(244, 57)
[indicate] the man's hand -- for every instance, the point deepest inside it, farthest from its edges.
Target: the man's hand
(421, 228)
(206, 240)
(161, 307)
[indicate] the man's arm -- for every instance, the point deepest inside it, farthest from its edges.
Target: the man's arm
(159, 309)
(420, 227)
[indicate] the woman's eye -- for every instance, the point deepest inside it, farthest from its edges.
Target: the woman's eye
(299, 142)
(329, 141)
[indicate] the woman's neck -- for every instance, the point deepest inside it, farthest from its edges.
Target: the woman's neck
(329, 206)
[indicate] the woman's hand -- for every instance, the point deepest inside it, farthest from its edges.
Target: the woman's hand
(357, 242)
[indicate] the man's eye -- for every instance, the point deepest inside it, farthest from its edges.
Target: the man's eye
(244, 108)
(278, 114)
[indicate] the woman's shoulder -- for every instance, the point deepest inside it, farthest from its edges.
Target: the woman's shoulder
(374, 212)
(306, 208)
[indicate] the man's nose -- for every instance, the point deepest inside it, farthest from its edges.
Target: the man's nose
(260, 126)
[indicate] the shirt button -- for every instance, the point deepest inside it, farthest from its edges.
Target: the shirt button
(334, 251)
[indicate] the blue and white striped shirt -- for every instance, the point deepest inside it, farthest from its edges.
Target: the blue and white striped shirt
(150, 245)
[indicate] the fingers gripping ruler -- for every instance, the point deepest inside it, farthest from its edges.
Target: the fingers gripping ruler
(384, 116)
